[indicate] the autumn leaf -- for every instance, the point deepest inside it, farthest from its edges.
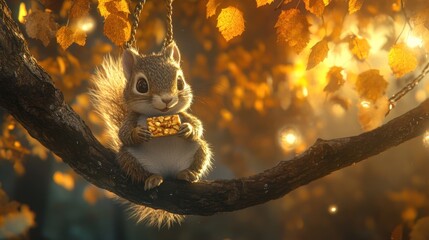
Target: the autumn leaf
(260, 3)
(230, 23)
(80, 8)
(335, 79)
(402, 59)
(119, 7)
(318, 53)
(211, 7)
(355, 5)
(41, 25)
(315, 6)
(117, 29)
(359, 47)
(292, 29)
(370, 85)
(371, 115)
(66, 36)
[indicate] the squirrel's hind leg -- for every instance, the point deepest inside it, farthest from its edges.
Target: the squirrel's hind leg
(200, 165)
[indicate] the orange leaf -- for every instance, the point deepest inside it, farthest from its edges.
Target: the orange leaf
(117, 29)
(211, 7)
(335, 79)
(370, 85)
(402, 59)
(41, 25)
(318, 53)
(355, 5)
(315, 6)
(66, 36)
(359, 47)
(230, 23)
(260, 3)
(118, 7)
(292, 29)
(79, 9)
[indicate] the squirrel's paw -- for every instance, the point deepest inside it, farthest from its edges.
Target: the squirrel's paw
(142, 134)
(153, 181)
(187, 175)
(186, 130)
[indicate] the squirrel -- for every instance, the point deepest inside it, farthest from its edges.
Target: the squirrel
(128, 90)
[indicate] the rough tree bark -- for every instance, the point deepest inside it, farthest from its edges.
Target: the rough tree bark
(28, 93)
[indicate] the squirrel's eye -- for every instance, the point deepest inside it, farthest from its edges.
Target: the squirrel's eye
(180, 84)
(142, 86)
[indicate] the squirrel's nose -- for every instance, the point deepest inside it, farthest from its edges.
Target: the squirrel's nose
(166, 100)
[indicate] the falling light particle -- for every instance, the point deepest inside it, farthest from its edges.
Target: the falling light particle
(86, 24)
(426, 139)
(413, 41)
(289, 139)
(305, 92)
(22, 13)
(365, 104)
(333, 209)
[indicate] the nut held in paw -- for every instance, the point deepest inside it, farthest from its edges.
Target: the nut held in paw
(163, 125)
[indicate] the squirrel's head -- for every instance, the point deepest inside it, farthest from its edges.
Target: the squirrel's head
(155, 83)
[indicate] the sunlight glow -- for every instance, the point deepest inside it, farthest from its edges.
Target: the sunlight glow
(413, 41)
(333, 209)
(86, 24)
(289, 139)
(365, 104)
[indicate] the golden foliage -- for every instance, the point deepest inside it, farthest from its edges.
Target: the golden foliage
(65, 180)
(15, 218)
(66, 36)
(107, 7)
(359, 47)
(117, 29)
(292, 29)
(335, 79)
(318, 53)
(370, 85)
(80, 8)
(260, 3)
(211, 7)
(402, 59)
(41, 25)
(230, 23)
(315, 6)
(355, 5)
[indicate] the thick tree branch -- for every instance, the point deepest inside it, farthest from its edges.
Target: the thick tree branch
(28, 93)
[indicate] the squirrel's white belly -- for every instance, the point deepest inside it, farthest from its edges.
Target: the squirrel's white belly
(165, 155)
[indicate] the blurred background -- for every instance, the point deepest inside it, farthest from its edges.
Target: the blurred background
(269, 78)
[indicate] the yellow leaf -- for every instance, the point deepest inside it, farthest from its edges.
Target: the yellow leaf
(402, 59)
(230, 23)
(355, 5)
(118, 7)
(370, 85)
(315, 6)
(66, 36)
(292, 29)
(80, 8)
(260, 3)
(335, 79)
(117, 29)
(318, 53)
(211, 7)
(371, 115)
(359, 47)
(41, 25)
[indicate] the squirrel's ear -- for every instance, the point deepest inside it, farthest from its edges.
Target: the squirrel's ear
(172, 52)
(128, 61)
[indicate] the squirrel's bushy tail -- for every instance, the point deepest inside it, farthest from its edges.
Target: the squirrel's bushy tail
(107, 96)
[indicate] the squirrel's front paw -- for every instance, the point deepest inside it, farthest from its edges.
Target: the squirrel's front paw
(153, 181)
(141, 134)
(186, 130)
(187, 175)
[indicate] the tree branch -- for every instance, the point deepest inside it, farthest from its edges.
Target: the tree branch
(29, 94)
